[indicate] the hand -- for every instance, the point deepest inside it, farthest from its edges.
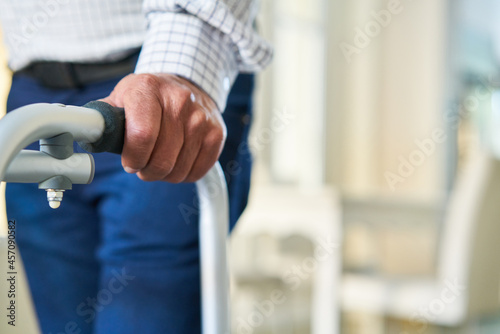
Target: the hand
(173, 130)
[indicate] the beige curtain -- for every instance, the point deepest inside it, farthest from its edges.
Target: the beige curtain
(385, 90)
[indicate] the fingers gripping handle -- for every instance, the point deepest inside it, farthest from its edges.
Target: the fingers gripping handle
(114, 129)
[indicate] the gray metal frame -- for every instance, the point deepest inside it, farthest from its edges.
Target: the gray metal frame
(28, 124)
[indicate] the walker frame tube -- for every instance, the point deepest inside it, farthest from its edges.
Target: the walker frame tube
(25, 125)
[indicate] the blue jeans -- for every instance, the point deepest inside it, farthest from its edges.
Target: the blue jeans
(120, 255)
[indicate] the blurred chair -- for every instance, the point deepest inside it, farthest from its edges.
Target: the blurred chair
(278, 217)
(258, 264)
(466, 284)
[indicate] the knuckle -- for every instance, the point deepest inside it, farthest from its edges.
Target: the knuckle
(130, 78)
(139, 99)
(148, 80)
(221, 135)
(184, 92)
(183, 95)
(198, 119)
(216, 137)
(141, 138)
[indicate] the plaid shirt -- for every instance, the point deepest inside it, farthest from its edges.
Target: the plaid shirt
(207, 42)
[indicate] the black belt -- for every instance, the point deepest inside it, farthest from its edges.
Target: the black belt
(65, 75)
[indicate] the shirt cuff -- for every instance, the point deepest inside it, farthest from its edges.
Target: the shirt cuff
(183, 45)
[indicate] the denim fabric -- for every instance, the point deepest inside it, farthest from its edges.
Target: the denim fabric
(120, 255)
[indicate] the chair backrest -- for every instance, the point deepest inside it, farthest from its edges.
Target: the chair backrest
(470, 248)
(484, 272)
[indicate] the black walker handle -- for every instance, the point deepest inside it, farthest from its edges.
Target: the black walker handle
(114, 129)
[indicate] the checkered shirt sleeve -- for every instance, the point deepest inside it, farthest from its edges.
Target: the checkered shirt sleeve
(207, 42)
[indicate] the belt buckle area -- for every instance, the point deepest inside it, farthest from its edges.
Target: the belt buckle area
(58, 75)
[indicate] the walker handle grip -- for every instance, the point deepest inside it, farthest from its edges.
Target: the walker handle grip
(114, 129)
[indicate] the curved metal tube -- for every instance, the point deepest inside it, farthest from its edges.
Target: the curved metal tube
(214, 228)
(30, 166)
(38, 121)
(28, 124)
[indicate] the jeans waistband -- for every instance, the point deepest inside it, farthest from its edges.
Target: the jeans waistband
(68, 75)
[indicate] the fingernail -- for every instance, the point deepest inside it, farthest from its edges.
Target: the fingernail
(130, 170)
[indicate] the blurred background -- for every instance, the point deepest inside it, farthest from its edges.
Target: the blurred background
(373, 207)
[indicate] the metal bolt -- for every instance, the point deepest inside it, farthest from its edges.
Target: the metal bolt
(55, 196)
